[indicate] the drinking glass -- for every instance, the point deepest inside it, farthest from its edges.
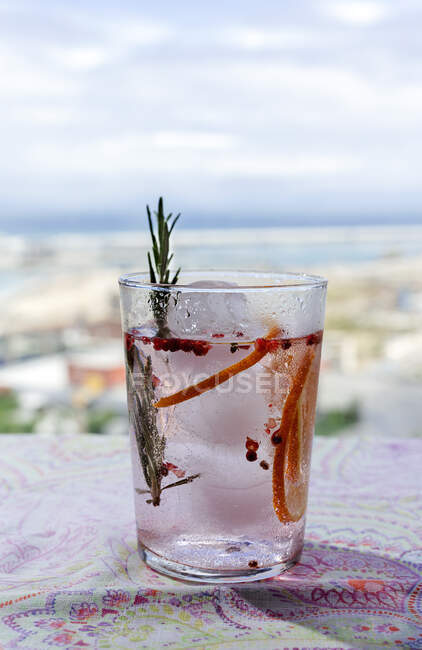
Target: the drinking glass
(222, 374)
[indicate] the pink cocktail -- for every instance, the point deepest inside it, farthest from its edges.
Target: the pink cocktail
(221, 405)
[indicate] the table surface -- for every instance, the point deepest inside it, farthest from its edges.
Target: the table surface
(71, 576)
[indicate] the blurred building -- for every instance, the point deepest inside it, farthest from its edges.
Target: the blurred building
(101, 366)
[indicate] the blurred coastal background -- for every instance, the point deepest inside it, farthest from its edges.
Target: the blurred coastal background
(288, 135)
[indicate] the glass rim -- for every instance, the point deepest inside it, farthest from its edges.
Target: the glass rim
(138, 280)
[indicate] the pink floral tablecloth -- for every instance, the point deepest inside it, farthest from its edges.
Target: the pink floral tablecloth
(71, 577)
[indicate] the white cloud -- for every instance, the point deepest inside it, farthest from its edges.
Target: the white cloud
(252, 38)
(45, 115)
(6, 5)
(138, 153)
(287, 166)
(192, 140)
(300, 79)
(357, 12)
(80, 58)
(137, 32)
(23, 77)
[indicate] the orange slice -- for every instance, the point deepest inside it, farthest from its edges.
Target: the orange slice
(289, 486)
(215, 380)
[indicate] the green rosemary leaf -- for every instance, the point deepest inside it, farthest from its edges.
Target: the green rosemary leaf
(156, 259)
(182, 481)
(151, 270)
(149, 218)
(154, 241)
(164, 253)
(160, 220)
(176, 276)
(174, 223)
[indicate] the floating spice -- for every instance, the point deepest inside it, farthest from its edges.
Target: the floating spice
(276, 438)
(252, 445)
(215, 380)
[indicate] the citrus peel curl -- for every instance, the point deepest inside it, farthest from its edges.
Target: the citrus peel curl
(290, 504)
(219, 377)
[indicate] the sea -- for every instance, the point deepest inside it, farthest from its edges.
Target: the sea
(28, 258)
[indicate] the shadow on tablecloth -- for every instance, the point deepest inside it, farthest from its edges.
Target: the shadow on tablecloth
(337, 597)
(359, 598)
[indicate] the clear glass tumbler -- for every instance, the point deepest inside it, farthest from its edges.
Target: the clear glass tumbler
(222, 373)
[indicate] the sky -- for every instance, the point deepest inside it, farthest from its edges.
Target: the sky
(238, 113)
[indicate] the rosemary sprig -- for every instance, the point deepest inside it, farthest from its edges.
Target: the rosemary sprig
(150, 443)
(159, 265)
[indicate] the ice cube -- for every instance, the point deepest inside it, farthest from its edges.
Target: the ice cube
(299, 311)
(229, 413)
(201, 313)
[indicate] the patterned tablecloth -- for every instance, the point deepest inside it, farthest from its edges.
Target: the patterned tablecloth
(71, 576)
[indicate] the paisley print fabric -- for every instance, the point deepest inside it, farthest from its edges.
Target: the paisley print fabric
(70, 575)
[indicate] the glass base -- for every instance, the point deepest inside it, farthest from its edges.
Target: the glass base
(216, 576)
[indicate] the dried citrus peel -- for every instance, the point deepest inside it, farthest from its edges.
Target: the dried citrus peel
(220, 377)
(294, 445)
(288, 454)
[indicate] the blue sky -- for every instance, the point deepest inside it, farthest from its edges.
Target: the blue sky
(237, 112)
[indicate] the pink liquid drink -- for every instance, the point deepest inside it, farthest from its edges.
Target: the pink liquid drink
(221, 412)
